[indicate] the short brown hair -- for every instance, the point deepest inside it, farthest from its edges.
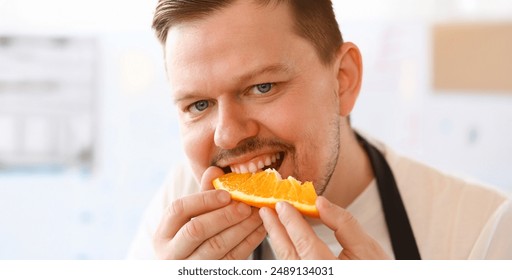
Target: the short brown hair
(315, 20)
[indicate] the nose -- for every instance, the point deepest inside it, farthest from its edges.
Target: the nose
(234, 124)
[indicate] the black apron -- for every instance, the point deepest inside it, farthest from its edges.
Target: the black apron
(399, 228)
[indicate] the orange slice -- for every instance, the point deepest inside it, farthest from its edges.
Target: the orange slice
(266, 188)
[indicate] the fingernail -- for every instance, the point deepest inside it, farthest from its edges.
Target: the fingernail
(243, 209)
(223, 197)
(280, 207)
(324, 202)
(263, 211)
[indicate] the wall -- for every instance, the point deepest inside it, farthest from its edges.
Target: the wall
(463, 132)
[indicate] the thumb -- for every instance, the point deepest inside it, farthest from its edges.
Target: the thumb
(209, 174)
(350, 234)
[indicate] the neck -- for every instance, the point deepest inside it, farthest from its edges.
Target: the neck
(353, 172)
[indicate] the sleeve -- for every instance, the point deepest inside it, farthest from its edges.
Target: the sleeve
(495, 240)
(179, 183)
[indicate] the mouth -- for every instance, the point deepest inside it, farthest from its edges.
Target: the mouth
(257, 164)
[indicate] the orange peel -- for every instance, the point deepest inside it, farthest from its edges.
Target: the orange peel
(266, 188)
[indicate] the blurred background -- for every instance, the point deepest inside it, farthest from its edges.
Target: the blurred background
(88, 131)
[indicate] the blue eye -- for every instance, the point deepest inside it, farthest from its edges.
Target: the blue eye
(263, 88)
(199, 106)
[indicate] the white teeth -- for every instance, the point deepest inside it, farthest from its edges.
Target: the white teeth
(260, 164)
(268, 161)
(243, 169)
(252, 167)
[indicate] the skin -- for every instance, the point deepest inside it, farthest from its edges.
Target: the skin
(246, 86)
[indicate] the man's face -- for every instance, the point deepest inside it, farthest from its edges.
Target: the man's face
(252, 94)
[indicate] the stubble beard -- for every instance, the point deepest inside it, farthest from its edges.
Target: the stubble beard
(332, 161)
(321, 184)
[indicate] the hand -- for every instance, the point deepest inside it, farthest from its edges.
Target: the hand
(208, 225)
(292, 237)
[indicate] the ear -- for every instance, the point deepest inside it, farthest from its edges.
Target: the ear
(349, 70)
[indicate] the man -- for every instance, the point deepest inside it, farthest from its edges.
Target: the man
(271, 84)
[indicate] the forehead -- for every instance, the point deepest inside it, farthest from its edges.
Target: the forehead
(241, 18)
(237, 37)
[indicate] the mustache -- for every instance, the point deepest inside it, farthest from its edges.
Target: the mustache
(250, 145)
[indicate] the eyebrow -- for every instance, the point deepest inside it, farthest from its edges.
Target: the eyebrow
(269, 69)
(273, 68)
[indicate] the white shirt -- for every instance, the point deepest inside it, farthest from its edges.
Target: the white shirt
(451, 218)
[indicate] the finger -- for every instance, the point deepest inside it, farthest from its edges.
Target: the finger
(279, 239)
(183, 209)
(221, 244)
(209, 174)
(356, 243)
(346, 228)
(203, 227)
(304, 239)
(243, 250)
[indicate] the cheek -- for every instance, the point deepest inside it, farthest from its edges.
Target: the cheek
(282, 119)
(196, 143)
(302, 115)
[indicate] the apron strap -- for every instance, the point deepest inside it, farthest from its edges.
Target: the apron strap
(399, 227)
